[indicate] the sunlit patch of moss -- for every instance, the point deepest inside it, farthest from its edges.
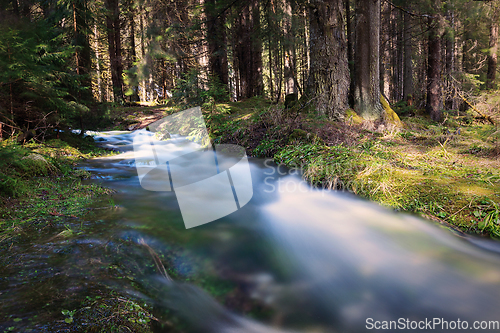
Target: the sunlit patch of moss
(353, 117)
(390, 115)
(474, 189)
(244, 117)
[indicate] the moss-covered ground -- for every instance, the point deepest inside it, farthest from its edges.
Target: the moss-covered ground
(40, 181)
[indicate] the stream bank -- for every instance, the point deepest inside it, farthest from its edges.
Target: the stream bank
(447, 172)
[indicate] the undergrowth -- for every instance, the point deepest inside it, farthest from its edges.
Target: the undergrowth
(40, 181)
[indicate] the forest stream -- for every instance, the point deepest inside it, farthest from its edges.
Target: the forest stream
(315, 260)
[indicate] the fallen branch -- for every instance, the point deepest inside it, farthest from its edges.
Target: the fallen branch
(484, 116)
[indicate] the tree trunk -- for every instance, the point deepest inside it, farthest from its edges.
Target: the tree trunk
(248, 51)
(98, 64)
(114, 47)
(458, 42)
(306, 60)
(367, 85)
(386, 46)
(26, 9)
(434, 98)
(408, 63)
(143, 52)
(395, 51)
(118, 49)
(83, 57)
(216, 38)
(75, 32)
(400, 55)
(256, 48)
(465, 62)
(270, 58)
(15, 8)
(328, 82)
(132, 74)
(492, 55)
(350, 51)
(451, 100)
(289, 47)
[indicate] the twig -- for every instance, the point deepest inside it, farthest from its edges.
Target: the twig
(157, 260)
(458, 211)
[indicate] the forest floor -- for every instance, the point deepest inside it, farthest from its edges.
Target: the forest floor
(448, 172)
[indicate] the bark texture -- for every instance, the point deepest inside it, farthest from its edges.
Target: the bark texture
(114, 47)
(408, 63)
(83, 59)
(134, 84)
(367, 85)
(216, 38)
(493, 44)
(350, 51)
(434, 90)
(328, 82)
(248, 51)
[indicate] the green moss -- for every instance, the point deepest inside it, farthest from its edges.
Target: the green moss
(39, 181)
(390, 115)
(299, 135)
(353, 117)
(11, 186)
(34, 165)
(425, 177)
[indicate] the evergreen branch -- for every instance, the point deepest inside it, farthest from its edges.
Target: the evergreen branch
(408, 12)
(5, 83)
(225, 9)
(220, 14)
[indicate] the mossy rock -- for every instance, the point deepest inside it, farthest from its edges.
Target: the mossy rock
(36, 165)
(303, 136)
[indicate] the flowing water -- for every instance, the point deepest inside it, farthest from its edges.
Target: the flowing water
(293, 259)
